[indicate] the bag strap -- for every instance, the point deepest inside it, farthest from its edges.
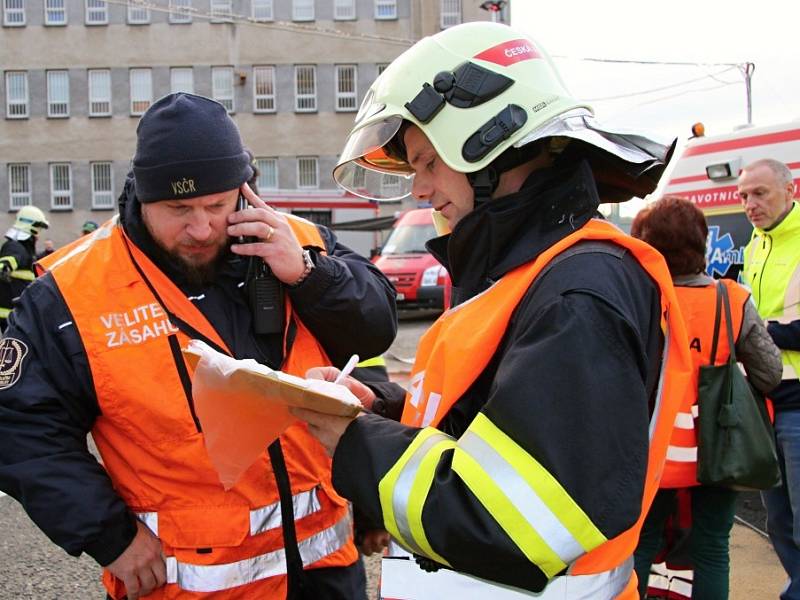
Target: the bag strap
(717, 314)
(728, 321)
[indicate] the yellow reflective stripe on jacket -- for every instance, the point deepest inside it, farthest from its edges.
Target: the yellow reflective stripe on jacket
(404, 489)
(375, 361)
(4, 312)
(23, 274)
(11, 261)
(526, 501)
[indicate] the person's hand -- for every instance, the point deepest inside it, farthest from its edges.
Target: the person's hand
(328, 429)
(276, 243)
(365, 395)
(372, 541)
(141, 566)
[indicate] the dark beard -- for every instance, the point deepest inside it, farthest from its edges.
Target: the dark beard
(194, 275)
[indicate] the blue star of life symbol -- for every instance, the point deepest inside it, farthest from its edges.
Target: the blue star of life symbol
(720, 252)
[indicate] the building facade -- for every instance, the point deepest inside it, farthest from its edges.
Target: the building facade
(78, 74)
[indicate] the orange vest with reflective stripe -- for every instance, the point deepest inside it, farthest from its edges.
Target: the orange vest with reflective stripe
(698, 305)
(228, 542)
(458, 347)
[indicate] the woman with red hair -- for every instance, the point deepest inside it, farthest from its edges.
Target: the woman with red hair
(677, 228)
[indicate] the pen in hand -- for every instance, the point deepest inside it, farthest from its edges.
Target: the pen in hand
(348, 368)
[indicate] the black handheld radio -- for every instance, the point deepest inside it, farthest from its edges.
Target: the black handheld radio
(264, 290)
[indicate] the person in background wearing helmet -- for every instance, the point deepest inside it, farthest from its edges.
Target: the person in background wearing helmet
(95, 346)
(531, 442)
(88, 227)
(16, 257)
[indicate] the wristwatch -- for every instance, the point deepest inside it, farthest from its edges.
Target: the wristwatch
(309, 263)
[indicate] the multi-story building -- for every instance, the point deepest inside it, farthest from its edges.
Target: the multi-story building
(78, 74)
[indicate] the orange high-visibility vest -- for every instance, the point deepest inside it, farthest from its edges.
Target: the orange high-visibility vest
(229, 543)
(698, 306)
(457, 348)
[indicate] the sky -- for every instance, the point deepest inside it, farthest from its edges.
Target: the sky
(702, 31)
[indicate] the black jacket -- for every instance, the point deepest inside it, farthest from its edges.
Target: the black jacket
(46, 413)
(572, 381)
(22, 253)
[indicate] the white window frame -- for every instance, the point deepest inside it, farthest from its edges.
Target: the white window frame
(308, 98)
(310, 162)
(303, 10)
(96, 12)
(344, 10)
(99, 84)
(138, 14)
(102, 172)
(60, 198)
(221, 11)
(143, 95)
(346, 101)
(450, 13)
(14, 13)
(222, 87)
(52, 9)
(385, 5)
(14, 104)
(19, 196)
(180, 11)
(58, 84)
(264, 100)
(174, 80)
(268, 173)
(262, 10)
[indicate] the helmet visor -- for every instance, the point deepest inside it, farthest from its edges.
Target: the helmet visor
(366, 169)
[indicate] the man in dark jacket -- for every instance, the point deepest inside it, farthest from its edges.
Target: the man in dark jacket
(95, 347)
(540, 405)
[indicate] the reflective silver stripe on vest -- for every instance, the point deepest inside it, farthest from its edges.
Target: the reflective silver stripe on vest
(402, 488)
(682, 454)
(401, 578)
(216, 578)
(661, 378)
(150, 519)
(526, 500)
(788, 372)
(269, 517)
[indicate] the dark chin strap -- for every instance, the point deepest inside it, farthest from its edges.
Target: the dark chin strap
(485, 181)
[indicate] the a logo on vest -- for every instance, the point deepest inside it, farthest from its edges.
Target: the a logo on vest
(12, 353)
(721, 253)
(183, 186)
(137, 325)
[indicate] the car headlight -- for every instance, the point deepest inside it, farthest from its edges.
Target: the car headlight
(431, 275)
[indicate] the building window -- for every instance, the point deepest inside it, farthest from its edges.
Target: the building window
(450, 13)
(137, 14)
(57, 94)
(222, 86)
(16, 94)
(60, 186)
(55, 12)
(180, 11)
(267, 173)
(99, 93)
(141, 90)
(302, 10)
(102, 185)
(344, 9)
(181, 79)
(305, 88)
(346, 88)
(96, 12)
(221, 11)
(264, 89)
(320, 217)
(307, 172)
(19, 185)
(13, 13)
(262, 10)
(390, 185)
(385, 9)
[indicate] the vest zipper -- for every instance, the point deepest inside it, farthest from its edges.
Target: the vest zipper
(183, 373)
(763, 267)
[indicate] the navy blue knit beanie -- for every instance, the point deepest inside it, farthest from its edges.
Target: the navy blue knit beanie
(187, 146)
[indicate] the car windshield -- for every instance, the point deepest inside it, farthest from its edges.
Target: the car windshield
(409, 239)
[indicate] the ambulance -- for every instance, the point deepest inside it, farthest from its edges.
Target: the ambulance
(706, 173)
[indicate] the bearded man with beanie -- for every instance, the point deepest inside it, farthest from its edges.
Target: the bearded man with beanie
(95, 346)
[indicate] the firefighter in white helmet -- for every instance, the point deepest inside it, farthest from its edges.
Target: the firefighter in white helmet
(17, 256)
(532, 439)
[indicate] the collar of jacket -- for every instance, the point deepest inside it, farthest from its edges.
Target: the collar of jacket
(510, 231)
(130, 218)
(789, 227)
